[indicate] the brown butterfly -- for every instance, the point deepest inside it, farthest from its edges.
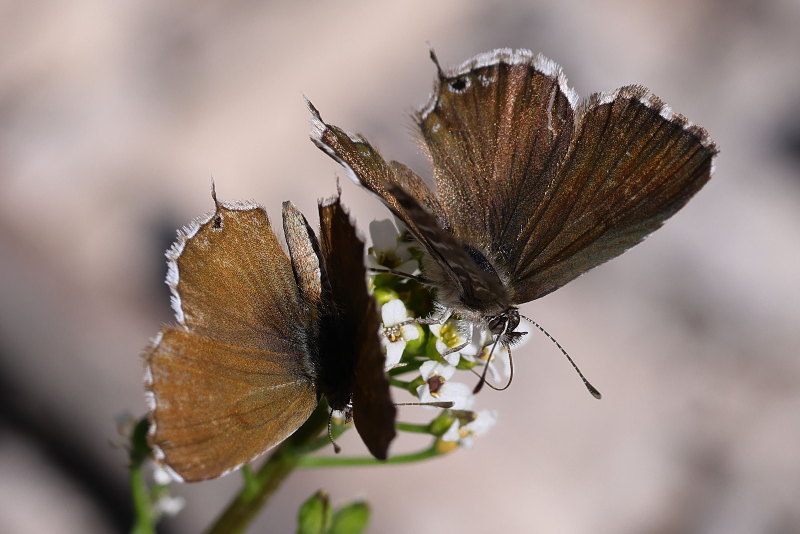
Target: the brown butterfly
(533, 187)
(261, 336)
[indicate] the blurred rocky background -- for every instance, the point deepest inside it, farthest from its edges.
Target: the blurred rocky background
(114, 116)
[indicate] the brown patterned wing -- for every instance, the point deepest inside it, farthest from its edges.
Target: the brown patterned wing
(358, 324)
(231, 379)
(407, 196)
(495, 129)
(232, 281)
(632, 165)
(304, 254)
(367, 168)
(215, 406)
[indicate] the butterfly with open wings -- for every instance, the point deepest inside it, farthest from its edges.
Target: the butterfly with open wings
(533, 186)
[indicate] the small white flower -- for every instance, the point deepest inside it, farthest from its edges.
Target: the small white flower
(439, 388)
(452, 433)
(161, 476)
(448, 336)
(483, 422)
(169, 505)
(395, 337)
(387, 250)
(465, 434)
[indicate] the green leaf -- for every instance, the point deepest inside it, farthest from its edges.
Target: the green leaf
(351, 519)
(314, 516)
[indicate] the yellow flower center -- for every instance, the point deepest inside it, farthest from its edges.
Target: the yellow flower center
(393, 333)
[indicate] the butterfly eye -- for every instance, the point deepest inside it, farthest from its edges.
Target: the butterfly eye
(459, 85)
(365, 150)
(217, 222)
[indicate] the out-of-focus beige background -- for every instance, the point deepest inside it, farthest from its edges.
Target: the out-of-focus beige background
(114, 116)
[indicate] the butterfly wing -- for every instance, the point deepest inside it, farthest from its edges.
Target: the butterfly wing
(495, 128)
(631, 165)
(231, 280)
(358, 324)
(215, 406)
(549, 192)
(230, 381)
(407, 196)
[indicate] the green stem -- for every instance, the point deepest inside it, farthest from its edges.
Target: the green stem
(140, 493)
(411, 427)
(336, 461)
(141, 502)
(406, 368)
(262, 485)
(396, 382)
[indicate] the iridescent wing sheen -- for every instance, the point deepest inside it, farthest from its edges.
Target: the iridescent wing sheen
(631, 165)
(496, 128)
(549, 192)
(530, 186)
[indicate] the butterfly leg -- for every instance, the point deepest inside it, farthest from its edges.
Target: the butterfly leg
(457, 348)
(420, 279)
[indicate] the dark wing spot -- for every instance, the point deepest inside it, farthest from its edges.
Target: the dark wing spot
(459, 85)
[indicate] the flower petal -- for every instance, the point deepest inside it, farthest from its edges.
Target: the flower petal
(459, 394)
(436, 330)
(393, 312)
(453, 358)
(409, 332)
(394, 351)
(452, 433)
(383, 234)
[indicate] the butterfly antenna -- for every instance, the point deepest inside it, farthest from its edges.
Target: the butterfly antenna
(336, 448)
(593, 390)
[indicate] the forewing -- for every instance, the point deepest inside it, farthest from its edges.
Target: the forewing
(215, 406)
(232, 281)
(495, 129)
(367, 168)
(632, 164)
(407, 196)
(358, 324)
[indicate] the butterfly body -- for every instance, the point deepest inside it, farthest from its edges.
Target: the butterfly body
(533, 186)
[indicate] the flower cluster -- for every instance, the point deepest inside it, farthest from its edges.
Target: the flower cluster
(427, 353)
